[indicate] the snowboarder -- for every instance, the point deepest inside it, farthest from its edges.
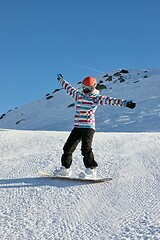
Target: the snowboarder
(87, 101)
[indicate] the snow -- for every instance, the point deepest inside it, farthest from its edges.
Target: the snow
(33, 207)
(126, 147)
(54, 114)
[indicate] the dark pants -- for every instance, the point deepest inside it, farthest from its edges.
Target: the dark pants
(86, 136)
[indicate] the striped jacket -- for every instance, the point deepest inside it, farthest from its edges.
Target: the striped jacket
(87, 104)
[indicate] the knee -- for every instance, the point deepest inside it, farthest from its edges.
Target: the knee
(69, 147)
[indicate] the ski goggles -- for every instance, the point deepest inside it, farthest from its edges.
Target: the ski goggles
(88, 88)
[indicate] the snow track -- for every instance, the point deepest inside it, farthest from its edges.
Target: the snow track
(35, 208)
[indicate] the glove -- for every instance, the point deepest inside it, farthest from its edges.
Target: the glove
(59, 77)
(130, 104)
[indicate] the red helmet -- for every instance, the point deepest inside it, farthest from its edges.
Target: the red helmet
(90, 82)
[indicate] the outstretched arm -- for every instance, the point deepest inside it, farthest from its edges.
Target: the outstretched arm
(104, 100)
(67, 87)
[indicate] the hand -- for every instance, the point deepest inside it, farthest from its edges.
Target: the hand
(130, 104)
(59, 77)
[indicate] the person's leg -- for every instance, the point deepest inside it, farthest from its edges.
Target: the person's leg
(69, 147)
(88, 157)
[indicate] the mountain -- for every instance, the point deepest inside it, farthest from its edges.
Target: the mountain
(56, 110)
(127, 208)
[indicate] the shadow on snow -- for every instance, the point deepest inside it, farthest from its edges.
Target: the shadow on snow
(38, 182)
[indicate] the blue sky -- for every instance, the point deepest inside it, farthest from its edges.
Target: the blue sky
(40, 38)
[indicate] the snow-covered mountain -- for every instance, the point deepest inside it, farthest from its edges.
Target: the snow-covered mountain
(126, 147)
(56, 110)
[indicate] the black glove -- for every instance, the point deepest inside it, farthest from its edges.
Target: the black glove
(130, 104)
(59, 77)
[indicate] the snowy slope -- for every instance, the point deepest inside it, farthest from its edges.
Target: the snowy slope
(53, 113)
(34, 208)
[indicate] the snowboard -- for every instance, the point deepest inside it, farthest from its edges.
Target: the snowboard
(72, 178)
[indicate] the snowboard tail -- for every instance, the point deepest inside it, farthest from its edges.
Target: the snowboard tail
(93, 180)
